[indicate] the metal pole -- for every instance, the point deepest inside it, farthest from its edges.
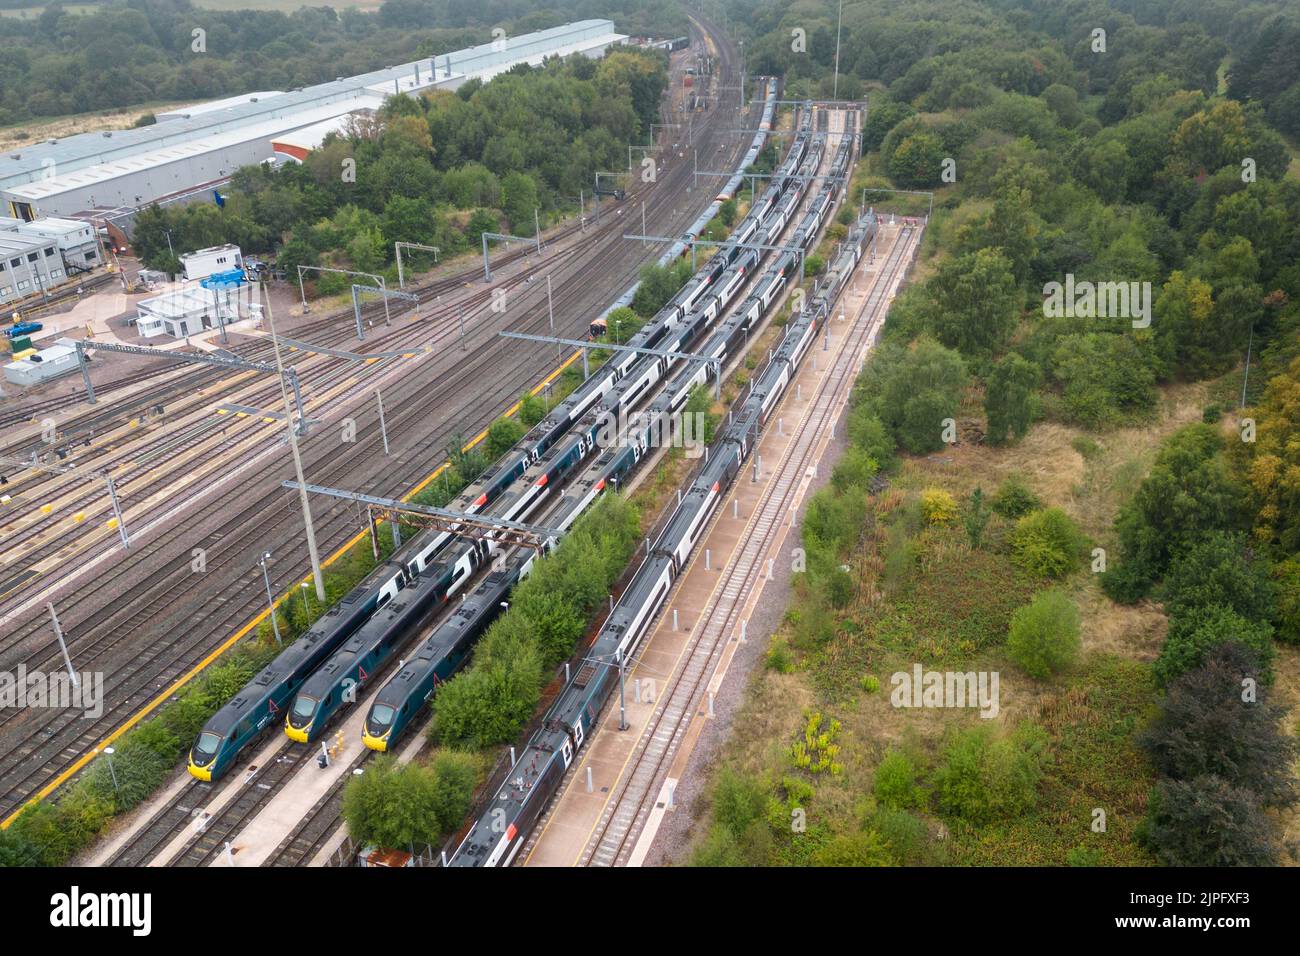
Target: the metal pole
(839, 20)
(85, 372)
(297, 398)
(537, 228)
(643, 231)
(117, 511)
(384, 290)
(58, 633)
(356, 309)
(301, 290)
(297, 457)
(383, 429)
(550, 313)
(487, 272)
(1246, 377)
(582, 211)
(270, 601)
(460, 313)
(622, 702)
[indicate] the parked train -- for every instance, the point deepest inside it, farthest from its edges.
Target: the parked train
(499, 833)
(351, 652)
(693, 231)
(399, 701)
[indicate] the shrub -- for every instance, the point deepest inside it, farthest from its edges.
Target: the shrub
(1218, 570)
(1208, 822)
(985, 778)
(779, 658)
(1083, 856)
(1212, 413)
(738, 801)
(938, 506)
(1286, 576)
(1047, 543)
(532, 409)
(502, 435)
(1194, 633)
(1014, 498)
(1205, 728)
(868, 433)
(895, 782)
(1044, 634)
(905, 835)
(854, 849)
(1188, 493)
(393, 805)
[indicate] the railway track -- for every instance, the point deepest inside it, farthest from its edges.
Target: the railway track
(36, 746)
(633, 797)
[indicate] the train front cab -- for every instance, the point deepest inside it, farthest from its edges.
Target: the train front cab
(298, 722)
(203, 763)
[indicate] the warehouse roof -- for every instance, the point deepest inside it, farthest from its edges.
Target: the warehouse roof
(77, 152)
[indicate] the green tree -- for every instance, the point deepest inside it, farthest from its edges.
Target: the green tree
(1010, 398)
(1044, 635)
(913, 390)
(974, 302)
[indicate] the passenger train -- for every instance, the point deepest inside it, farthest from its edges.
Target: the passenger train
(352, 652)
(506, 822)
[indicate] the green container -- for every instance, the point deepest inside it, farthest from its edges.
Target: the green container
(20, 343)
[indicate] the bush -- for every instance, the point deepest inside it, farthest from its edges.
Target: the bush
(1014, 498)
(938, 506)
(1194, 633)
(738, 801)
(1083, 856)
(532, 409)
(1188, 493)
(779, 658)
(912, 390)
(1218, 570)
(895, 783)
(502, 435)
(1044, 634)
(397, 806)
(489, 701)
(854, 849)
(905, 835)
(1047, 543)
(1208, 822)
(1205, 728)
(984, 778)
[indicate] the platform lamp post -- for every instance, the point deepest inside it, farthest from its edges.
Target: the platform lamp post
(270, 601)
(306, 611)
(108, 752)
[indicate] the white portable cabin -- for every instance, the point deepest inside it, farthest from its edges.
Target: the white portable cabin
(205, 262)
(44, 365)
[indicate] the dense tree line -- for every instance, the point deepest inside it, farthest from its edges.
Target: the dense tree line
(1155, 158)
(437, 169)
(127, 52)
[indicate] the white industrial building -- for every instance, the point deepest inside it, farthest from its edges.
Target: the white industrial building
(201, 146)
(37, 256)
(192, 309)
